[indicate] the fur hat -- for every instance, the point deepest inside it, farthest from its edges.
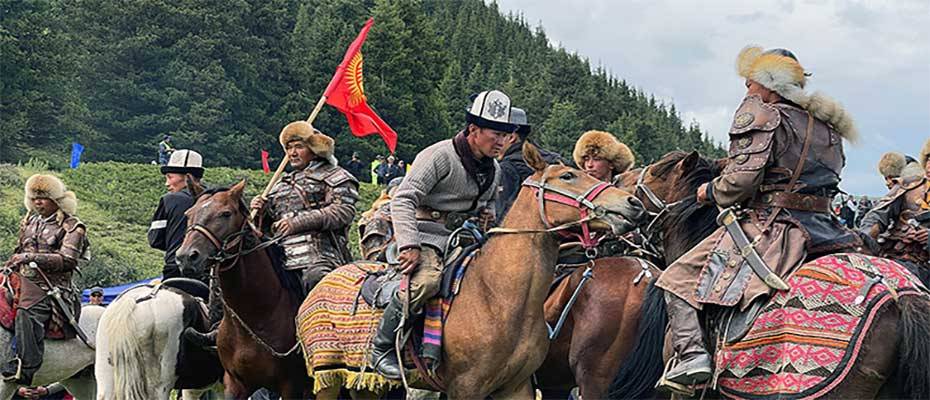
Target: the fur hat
(891, 164)
(49, 187)
(925, 154)
(606, 146)
(779, 71)
(320, 144)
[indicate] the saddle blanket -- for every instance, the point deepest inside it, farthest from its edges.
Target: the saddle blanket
(57, 327)
(805, 340)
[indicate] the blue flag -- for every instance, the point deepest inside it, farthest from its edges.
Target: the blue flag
(76, 150)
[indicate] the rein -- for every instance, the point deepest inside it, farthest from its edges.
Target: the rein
(655, 216)
(583, 202)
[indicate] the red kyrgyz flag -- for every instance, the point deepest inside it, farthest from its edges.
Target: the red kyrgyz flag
(265, 166)
(346, 92)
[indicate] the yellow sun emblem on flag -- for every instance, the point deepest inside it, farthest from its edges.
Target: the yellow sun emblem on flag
(354, 80)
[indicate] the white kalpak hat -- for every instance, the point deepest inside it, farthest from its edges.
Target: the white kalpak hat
(184, 162)
(491, 109)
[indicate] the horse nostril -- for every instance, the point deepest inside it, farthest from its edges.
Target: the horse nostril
(194, 255)
(635, 202)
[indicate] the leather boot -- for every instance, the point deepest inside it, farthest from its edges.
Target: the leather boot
(694, 364)
(383, 356)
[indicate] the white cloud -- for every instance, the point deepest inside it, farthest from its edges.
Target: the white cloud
(872, 56)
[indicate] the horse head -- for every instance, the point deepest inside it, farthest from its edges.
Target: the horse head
(569, 197)
(216, 226)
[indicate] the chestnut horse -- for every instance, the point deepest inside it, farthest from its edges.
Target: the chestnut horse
(894, 360)
(600, 329)
(494, 337)
(255, 342)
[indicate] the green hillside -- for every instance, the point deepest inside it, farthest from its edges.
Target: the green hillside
(116, 201)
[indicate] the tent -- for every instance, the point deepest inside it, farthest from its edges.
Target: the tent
(110, 293)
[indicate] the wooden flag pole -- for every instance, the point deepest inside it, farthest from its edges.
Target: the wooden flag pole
(284, 161)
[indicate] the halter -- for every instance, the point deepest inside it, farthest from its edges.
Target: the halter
(583, 202)
(235, 242)
(655, 216)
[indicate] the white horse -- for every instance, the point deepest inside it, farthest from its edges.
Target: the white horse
(139, 341)
(64, 361)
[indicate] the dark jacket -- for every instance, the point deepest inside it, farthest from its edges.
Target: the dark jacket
(358, 170)
(513, 172)
(169, 224)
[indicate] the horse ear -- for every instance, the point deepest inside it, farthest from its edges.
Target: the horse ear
(532, 157)
(690, 161)
(194, 187)
(237, 189)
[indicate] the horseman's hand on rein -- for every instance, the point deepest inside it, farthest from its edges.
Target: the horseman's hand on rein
(702, 193)
(258, 203)
(409, 260)
(283, 227)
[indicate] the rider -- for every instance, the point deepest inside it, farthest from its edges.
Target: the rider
(785, 159)
(896, 224)
(513, 167)
(449, 179)
(312, 206)
(169, 224)
(51, 242)
(893, 166)
(602, 156)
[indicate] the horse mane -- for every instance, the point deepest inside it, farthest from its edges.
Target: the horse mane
(686, 222)
(275, 253)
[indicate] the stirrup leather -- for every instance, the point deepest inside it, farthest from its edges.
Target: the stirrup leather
(672, 387)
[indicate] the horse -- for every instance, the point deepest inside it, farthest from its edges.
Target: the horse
(600, 329)
(494, 336)
(65, 361)
(893, 355)
(141, 344)
(255, 342)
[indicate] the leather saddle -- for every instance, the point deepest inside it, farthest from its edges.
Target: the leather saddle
(190, 286)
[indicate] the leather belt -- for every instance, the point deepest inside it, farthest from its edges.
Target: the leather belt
(792, 201)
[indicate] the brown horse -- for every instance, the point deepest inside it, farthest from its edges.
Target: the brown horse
(601, 327)
(894, 361)
(494, 337)
(255, 342)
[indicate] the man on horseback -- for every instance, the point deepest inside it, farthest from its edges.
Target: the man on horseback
(602, 156)
(451, 180)
(899, 222)
(894, 166)
(169, 224)
(312, 206)
(514, 169)
(51, 242)
(785, 159)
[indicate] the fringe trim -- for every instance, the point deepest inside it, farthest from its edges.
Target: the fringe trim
(368, 381)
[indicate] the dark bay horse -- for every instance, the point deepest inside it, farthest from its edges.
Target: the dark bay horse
(494, 337)
(894, 361)
(255, 342)
(601, 327)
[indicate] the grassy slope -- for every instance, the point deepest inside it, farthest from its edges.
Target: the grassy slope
(116, 201)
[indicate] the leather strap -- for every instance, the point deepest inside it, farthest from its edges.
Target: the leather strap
(808, 136)
(792, 201)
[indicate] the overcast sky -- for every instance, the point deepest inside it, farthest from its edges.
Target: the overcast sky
(874, 57)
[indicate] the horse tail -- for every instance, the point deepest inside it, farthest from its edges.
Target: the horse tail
(914, 348)
(643, 367)
(126, 354)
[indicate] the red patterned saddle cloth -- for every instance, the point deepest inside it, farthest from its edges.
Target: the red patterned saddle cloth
(805, 340)
(56, 327)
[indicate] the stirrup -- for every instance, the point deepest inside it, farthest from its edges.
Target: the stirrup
(672, 387)
(19, 372)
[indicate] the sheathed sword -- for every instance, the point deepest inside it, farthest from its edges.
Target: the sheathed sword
(730, 222)
(55, 293)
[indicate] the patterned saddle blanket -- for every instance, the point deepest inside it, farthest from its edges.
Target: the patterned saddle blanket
(805, 340)
(57, 327)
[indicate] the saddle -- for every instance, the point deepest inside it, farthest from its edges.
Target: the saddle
(57, 327)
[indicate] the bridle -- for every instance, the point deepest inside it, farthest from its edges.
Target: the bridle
(231, 247)
(584, 202)
(654, 216)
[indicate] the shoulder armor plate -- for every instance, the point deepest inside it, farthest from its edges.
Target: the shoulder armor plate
(71, 223)
(753, 114)
(338, 176)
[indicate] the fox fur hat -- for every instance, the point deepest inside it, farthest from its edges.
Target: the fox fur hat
(49, 187)
(891, 164)
(604, 145)
(779, 71)
(925, 154)
(321, 145)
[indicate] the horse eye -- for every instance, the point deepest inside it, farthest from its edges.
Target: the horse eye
(567, 176)
(226, 214)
